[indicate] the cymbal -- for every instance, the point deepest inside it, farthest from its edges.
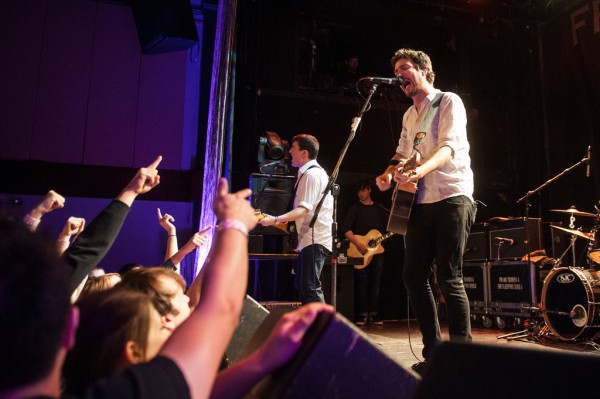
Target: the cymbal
(573, 212)
(586, 236)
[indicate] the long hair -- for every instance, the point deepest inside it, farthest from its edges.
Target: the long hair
(108, 320)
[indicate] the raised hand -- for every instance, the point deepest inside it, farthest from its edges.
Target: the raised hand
(286, 338)
(166, 221)
(51, 201)
(144, 180)
(74, 226)
(235, 205)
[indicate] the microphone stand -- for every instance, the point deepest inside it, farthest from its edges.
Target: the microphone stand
(332, 178)
(525, 199)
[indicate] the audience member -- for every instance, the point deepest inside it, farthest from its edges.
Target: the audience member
(129, 266)
(72, 228)
(51, 201)
(161, 285)
(99, 283)
(117, 329)
(166, 222)
(34, 300)
(94, 242)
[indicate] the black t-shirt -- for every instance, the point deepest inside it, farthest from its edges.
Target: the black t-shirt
(363, 218)
(159, 378)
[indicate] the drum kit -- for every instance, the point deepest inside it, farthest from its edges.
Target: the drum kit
(571, 294)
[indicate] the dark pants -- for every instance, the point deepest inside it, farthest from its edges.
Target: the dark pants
(438, 233)
(367, 282)
(308, 275)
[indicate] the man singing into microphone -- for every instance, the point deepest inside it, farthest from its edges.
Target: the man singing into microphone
(444, 210)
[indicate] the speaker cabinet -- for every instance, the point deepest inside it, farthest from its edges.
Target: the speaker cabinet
(475, 277)
(253, 315)
(517, 231)
(271, 194)
(515, 286)
(336, 360)
(477, 248)
(458, 370)
(164, 25)
(345, 288)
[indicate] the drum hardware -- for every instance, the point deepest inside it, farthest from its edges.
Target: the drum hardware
(578, 314)
(574, 234)
(593, 255)
(533, 332)
(573, 212)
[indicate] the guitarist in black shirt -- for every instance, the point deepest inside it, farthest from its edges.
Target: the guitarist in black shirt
(364, 217)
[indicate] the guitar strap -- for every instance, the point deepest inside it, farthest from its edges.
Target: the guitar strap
(424, 120)
(291, 203)
(293, 237)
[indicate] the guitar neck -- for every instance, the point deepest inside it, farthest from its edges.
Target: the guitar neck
(384, 237)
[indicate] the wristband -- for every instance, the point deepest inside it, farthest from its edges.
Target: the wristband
(31, 221)
(172, 235)
(234, 224)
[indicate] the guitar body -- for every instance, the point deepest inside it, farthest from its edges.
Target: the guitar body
(372, 240)
(402, 201)
(404, 196)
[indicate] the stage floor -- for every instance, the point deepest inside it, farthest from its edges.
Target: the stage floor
(404, 345)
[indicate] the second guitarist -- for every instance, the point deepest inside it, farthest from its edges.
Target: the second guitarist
(364, 216)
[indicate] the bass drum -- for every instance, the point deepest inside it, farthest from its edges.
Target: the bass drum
(569, 302)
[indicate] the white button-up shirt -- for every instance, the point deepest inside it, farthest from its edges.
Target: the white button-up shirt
(311, 185)
(448, 128)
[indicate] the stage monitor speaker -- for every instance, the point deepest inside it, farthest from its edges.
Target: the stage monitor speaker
(271, 194)
(253, 315)
(164, 25)
(336, 360)
(460, 370)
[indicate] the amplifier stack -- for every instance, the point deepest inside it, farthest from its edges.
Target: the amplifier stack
(500, 286)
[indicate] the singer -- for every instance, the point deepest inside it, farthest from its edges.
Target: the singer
(444, 209)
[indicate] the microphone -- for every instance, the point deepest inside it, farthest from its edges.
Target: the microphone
(587, 168)
(470, 249)
(397, 81)
(262, 165)
(508, 241)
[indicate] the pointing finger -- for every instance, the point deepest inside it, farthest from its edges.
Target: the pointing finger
(154, 164)
(223, 187)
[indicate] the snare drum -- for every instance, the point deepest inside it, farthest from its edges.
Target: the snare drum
(570, 302)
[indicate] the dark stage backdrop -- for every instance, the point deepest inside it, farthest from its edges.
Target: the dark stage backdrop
(570, 61)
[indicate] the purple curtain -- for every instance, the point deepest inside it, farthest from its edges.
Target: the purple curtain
(220, 111)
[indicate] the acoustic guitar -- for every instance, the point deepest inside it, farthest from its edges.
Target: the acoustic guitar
(403, 198)
(372, 240)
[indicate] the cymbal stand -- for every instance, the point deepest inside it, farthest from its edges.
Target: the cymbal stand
(533, 332)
